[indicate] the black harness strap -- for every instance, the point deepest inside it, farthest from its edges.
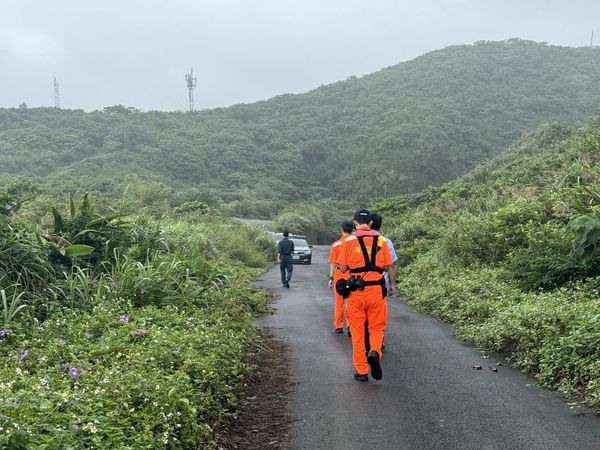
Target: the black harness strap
(380, 282)
(370, 265)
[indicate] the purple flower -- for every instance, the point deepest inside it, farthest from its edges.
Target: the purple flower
(5, 332)
(139, 331)
(124, 318)
(74, 373)
(23, 355)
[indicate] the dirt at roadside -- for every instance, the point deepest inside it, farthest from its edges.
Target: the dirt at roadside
(262, 417)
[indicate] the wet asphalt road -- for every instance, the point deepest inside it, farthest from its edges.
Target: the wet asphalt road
(429, 397)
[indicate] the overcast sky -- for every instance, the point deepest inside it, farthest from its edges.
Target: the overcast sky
(136, 53)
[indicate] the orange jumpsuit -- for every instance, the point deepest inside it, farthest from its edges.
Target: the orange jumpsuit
(368, 304)
(339, 310)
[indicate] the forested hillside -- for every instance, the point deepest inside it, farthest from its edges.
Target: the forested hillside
(510, 254)
(418, 123)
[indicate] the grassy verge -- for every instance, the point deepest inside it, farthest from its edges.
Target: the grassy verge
(553, 335)
(510, 255)
(142, 346)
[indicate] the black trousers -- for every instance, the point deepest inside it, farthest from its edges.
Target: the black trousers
(286, 266)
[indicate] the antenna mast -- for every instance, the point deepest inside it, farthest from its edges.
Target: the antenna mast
(56, 94)
(190, 81)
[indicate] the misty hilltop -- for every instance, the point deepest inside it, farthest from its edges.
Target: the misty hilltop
(421, 122)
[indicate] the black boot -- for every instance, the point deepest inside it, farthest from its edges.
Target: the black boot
(373, 360)
(359, 377)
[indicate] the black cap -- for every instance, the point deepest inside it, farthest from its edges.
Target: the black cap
(347, 226)
(362, 216)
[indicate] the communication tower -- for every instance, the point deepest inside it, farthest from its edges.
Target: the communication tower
(56, 94)
(190, 81)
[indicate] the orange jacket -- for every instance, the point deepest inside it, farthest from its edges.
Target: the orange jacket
(333, 257)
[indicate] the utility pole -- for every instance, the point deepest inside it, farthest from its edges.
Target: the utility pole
(190, 81)
(592, 40)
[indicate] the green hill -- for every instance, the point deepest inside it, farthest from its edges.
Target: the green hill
(510, 254)
(418, 123)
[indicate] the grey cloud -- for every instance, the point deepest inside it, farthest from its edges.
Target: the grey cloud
(137, 52)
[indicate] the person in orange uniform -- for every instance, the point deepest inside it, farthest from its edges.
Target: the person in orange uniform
(376, 225)
(365, 255)
(339, 309)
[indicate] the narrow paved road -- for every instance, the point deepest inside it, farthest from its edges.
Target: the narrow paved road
(429, 398)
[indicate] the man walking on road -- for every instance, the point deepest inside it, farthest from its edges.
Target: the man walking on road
(339, 309)
(366, 256)
(285, 247)
(390, 277)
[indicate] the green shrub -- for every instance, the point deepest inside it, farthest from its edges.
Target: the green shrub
(266, 245)
(510, 256)
(22, 259)
(460, 295)
(190, 239)
(520, 328)
(587, 235)
(295, 223)
(571, 361)
(105, 233)
(319, 223)
(409, 238)
(142, 349)
(548, 262)
(194, 206)
(145, 378)
(554, 334)
(488, 238)
(407, 231)
(211, 240)
(147, 239)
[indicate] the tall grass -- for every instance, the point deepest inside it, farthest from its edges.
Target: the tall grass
(147, 343)
(11, 309)
(22, 259)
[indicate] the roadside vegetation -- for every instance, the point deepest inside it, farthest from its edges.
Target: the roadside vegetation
(320, 223)
(510, 254)
(122, 330)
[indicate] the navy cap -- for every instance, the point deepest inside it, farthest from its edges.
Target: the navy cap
(362, 216)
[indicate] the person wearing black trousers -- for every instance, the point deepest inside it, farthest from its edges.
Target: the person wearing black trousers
(284, 258)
